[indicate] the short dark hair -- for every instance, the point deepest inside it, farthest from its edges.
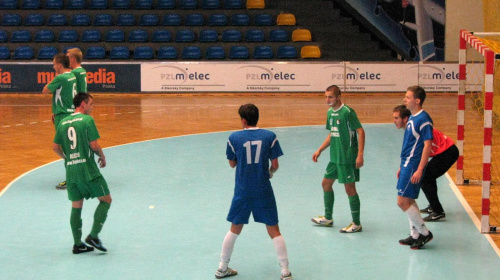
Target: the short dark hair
(418, 93)
(81, 97)
(335, 89)
(403, 111)
(250, 113)
(63, 59)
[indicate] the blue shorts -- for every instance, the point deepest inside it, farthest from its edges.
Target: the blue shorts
(263, 209)
(405, 187)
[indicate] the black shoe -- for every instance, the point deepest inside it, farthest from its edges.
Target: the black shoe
(427, 210)
(407, 241)
(61, 186)
(82, 248)
(421, 241)
(434, 217)
(96, 243)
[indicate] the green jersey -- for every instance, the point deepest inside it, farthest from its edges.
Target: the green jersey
(63, 89)
(342, 125)
(74, 134)
(81, 79)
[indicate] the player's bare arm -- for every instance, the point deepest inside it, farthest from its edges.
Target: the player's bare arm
(58, 150)
(361, 147)
(274, 167)
(323, 146)
(423, 162)
(96, 148)
(46, 89)
(232, 163)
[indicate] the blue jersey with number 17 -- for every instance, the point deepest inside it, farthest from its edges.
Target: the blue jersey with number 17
(252, 149)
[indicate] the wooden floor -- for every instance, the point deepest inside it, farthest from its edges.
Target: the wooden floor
(26, 132)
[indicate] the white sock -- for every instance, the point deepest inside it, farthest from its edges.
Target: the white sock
(280, 247)
(416, 219)
(227, 250)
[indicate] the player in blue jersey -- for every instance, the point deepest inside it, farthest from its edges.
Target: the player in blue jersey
(414, 157)
(251, 150)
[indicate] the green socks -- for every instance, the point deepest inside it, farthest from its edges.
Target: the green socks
(75, 221)
(328, 198)
(100, 215)
(355, 205)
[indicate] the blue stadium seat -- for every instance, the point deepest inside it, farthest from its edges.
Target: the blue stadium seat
(171, 20)
(125, 20)
(4, 52)
(119, 52)
(57, 20)
(53, 4)
(9, 4)
(263, 52)
(210, 4)
(34, 20)
(138, 36)
(80, 20)
(67, 36)
(217, 20)
(208, 35)
(184, 36)
(121, 4)
(103, 20)
(98, 4)
(167, 53)
(240, 20)
(191, 52)
(115, 35)
(143, 52)
(239, 52)
(263, 20)
(188, 4)
(11, 20)
(215, 52)
(165, 4)
(231, 35)
(278, 35)
(92, 35)
(24, 52)
(143, 4)
(233, 4)
(161, 36)
(254, 35)
(149, 20)
(47, 52)
(3, 36)
(29, 4)
(76, 4)
(95, 52)
(44, 36)
(194, 20)
(20, 36)
(286, 52)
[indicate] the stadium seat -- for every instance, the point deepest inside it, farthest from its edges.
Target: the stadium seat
(53, 4)
(310, 52)
(119, 52)
(3, 36)
(184, 36)
(24, 52)
(301, 35)
(194, 20)
(11, 20)
(208, 35)
(80, 20)
(103, 20)
(278, 35)
(231, 35)
(256, 4)
(57, 20)
(125, 20)
(286, 52)
(98, 4)
(188, 4)
(161, 36)
(4, 52)
(20, 36)
(143, 4)
(67, 36)
(138, 36)
(44, 36)
(239, 52)
(76, 4)
(34, 20)
(240, 20)
(263, 20)
(254, 35)
(28, 4)
(263, 52)
(191, 52)
(165, 4)
(171, 20)
(121, 4)
(215, 52)
(47, 52)
(210, 4)
(286, 19)
(217, 20)
(167, 53)
(95, 52)
(115, 35)
(9, 5)
(92, 36)
(149, 20)
(143, 52)
(233, 4)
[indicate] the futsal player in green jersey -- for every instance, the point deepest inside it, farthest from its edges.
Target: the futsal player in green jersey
(76, 142)
(346, 140)
(75, 59)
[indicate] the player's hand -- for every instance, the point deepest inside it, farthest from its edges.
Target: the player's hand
(102, 162)
(53, 117)
(415, 178)
(359, 162)
(397, 175)
(316, 156)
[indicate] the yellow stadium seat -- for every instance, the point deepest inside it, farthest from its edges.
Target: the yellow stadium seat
(286, 19)
(310, 52)
(256, 4)
(301, 35)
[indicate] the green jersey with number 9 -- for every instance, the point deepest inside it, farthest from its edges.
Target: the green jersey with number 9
(63, 89)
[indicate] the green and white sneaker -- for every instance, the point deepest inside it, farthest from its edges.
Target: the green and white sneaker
(322, 221)
(219, 274)
(352, 227)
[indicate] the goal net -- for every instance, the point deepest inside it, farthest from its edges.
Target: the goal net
(478, 121)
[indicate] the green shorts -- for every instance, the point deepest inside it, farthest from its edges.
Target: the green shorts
(344, 173)
(80, 190)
